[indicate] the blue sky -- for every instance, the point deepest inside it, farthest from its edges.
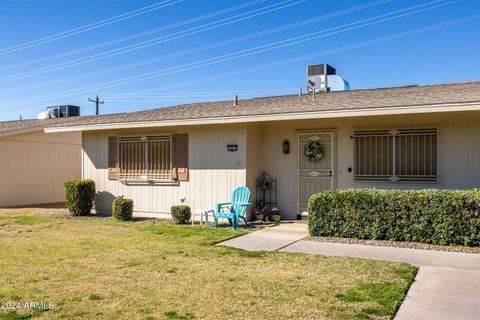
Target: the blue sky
(190, 56)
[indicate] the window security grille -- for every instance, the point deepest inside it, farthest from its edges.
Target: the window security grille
(396, 155)
(145, 157)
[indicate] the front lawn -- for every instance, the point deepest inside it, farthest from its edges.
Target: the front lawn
(99, 269)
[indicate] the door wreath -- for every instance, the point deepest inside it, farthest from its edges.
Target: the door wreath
(314, 151)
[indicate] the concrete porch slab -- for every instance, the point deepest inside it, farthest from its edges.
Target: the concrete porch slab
(269, 239)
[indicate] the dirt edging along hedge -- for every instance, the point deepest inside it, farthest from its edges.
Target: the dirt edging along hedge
(445, 217)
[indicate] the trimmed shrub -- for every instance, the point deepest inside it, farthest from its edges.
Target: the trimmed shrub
(80, 195)
(181, 214)
(122, 209)
(444, 217)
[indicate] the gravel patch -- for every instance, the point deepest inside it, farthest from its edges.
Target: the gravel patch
(396, 244)
(46, 212)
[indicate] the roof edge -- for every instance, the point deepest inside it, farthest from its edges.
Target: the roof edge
(433, 108)
(20, 131)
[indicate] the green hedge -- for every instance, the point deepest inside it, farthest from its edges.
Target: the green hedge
(122, 209)
(180, 214)
(446, 217)
(80, 195)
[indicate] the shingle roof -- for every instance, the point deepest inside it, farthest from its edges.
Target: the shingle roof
(11, 127)
(452, 93)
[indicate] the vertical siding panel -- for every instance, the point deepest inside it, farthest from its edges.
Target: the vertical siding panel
(34, 166)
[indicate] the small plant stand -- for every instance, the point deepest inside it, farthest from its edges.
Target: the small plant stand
(266, 191)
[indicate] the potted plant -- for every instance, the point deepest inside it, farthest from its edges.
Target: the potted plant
(276, 215)
(259, 213)
(264, 184)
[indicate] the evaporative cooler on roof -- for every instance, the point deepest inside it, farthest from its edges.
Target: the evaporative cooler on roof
(323, 78)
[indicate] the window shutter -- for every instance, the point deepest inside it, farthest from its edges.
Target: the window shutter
(180, 157)
(113, 158)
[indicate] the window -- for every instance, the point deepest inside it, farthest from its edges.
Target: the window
(145, 157)
(396, 155)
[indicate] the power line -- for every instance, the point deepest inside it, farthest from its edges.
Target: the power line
(323, 53)
(88, 27)
(77, 10)
(175, 69)
(286, 42)
(150, 42)
(15, 4)
(134, 36)
(141, 45)
(195, 93)
(186, 96)
(315, 55)
(172, 70)
(215, 45)
(234, 55)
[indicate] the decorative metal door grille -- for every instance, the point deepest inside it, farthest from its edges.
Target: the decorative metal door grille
(145, 157)
(396, 155)
(314, 177)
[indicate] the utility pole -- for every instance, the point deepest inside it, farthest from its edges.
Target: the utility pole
(97, 103)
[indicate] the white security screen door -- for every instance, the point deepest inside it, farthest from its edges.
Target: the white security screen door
(315, 167)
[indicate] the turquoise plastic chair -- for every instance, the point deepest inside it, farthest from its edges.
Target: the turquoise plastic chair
(237, 207)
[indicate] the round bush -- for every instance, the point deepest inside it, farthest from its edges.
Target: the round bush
(79, 196)
(122, 209)
(181, 214)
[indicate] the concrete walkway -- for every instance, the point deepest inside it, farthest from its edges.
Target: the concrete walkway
(447, 285)
(440, 293)
(270, 239)
(431, 258)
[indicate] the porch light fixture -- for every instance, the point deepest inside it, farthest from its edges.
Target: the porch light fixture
(232, 147)
(286, 147)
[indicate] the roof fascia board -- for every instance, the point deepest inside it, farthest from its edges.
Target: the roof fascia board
(20, 131)
(474, 106)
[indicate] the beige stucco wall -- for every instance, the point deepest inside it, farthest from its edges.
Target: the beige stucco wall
(213, 171)
(34, 166)
(253, 157)
(459, 151)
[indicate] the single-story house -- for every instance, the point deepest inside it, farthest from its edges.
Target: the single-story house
(34, 165)
(404, 137)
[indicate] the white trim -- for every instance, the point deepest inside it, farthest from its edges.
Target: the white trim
(434, 108)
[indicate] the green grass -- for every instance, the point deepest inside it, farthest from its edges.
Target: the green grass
(13, 315)
(94, 297)
(388, 297)
(30, 220)
(99, 269)
(175, 315)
